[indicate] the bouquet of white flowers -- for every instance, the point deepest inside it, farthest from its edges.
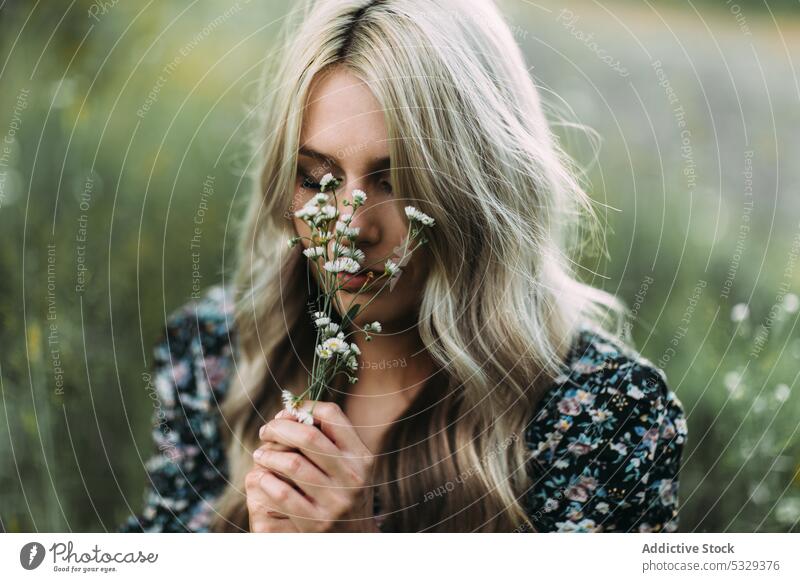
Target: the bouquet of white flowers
(334, 354)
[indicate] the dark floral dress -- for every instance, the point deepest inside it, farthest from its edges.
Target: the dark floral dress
(605, 441)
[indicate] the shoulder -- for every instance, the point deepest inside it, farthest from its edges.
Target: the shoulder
(207, 316)
(191, 370)
(606, 437)
(193, 354)
(603, 382)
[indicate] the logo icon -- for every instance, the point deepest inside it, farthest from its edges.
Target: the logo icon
(31, 555)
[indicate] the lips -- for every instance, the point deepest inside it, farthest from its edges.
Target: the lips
(358, 280)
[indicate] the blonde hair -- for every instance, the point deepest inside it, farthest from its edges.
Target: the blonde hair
(469, 145)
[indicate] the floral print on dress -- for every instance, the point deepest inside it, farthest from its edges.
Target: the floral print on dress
(193, 365)
(606, 444)
(605, 441)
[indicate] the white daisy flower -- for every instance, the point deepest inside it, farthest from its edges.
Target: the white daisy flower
(782, 392)
(355, 350)
(322, 321)
(332, 328)
(732, 381)
(359, 197)
(327, 212)
(391, 268)
(419, 216)
(336, 345)
(348, 231)
(307, 212)
(352, 363)
(303, 415)
(374, 326)
(326, 180)
(318, 314)
(288, 399)
(791, 303)
(740, 312)
(324, 353)
(342, 265)
(352, 252)
(346, 218)
(314, 252)
(321, 198)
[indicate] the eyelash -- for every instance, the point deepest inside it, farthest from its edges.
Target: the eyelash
(308, 184)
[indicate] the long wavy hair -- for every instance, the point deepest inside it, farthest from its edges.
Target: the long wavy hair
(471, 146)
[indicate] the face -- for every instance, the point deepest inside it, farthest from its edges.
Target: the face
(344, 134)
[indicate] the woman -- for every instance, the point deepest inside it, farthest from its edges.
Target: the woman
(492, 400)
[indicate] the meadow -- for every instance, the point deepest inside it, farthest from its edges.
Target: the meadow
(123, 160)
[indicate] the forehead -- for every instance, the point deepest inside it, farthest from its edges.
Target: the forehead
(342, 117)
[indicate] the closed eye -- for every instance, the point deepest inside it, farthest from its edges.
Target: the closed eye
(310, 184)
(386, 186)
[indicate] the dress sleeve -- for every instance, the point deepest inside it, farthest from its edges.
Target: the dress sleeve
(183, 474)
(606, 452)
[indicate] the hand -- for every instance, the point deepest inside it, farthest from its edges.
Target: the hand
(262, 519)
(318, 476)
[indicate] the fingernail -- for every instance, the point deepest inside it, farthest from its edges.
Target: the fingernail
(257, 454)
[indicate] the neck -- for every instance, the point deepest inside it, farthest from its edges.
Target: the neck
(392, 364)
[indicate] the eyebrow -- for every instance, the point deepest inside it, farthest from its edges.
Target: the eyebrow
(376, 165)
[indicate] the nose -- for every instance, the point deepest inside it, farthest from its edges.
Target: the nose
(366, 218)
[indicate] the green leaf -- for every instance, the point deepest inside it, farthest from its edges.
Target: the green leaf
(351, 313)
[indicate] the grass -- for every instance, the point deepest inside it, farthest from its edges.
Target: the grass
(112, 145)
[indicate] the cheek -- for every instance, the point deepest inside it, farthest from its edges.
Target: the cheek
(422, 272)
(301, 229)
(412, 280)
(300, 197)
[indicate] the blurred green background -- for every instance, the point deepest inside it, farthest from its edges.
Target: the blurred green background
(113, 115)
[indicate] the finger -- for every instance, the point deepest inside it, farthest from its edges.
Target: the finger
(311, 441)
(273, 446)
(285, 498)
(263, 520)
(261, 517)
(279, 525)
(333, 422)
(294, 466)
